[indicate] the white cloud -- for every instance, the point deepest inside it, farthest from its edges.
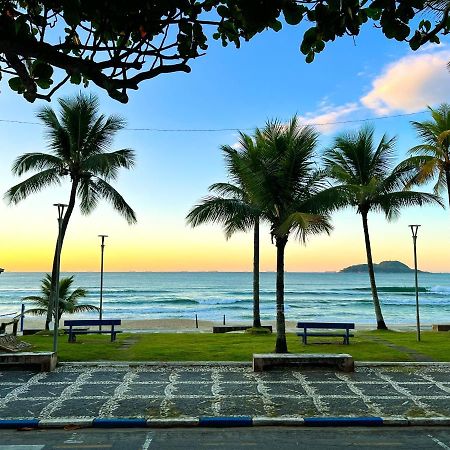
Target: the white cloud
(327, 116)
(410, 84)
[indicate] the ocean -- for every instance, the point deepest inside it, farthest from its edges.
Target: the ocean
(210, 295)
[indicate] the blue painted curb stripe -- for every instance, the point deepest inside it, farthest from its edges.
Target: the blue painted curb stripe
(242, 421)
(343, 421)
(19, 423)
(119, 423)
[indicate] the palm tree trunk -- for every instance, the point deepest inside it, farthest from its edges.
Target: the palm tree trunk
(65, 222)
(281, 344)
(447, 177)
(256, 312)
(381, 325)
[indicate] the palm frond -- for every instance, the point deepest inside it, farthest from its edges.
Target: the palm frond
(35, 161)
(35, 183)
(106, 191)
(106, 165)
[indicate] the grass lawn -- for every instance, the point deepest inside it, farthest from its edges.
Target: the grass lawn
(365, 346)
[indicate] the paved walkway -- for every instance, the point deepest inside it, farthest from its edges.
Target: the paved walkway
(179, 391)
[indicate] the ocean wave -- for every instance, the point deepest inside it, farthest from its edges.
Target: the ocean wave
(398, 289)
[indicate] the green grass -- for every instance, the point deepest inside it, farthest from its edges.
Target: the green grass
(365, 346)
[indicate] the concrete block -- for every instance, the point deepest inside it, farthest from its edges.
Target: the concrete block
(46, 361)
(267, 361)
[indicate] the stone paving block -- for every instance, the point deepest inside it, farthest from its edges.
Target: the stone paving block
(238, 389)
(293, 406)
(152, 390)
(277, 375)
(137, 407)
(363, 376)
(378, 390)
(59, 377)
(237, 377)
(23, 409)
(250, 406)
(404, 376)
(192, 388)
(332, 389)
(152, 376)
(15, 376)
(395, 407)
(352, 406)
(96, 390)
(43, 390)
(5, 390)
(107, 376)
(285, 388)
(320, 375)
(441, 376)
(74, 407)
(441, 406)
(424, 390)
(190, 407)
(200, 377)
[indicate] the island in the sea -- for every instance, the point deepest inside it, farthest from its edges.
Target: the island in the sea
(384, 266)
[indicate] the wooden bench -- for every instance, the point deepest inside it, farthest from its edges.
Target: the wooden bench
(326, 326)
(228, 328)
(267, 361)
(45, 361)
(92, 323)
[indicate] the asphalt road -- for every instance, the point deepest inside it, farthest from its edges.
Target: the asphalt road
(285, 438)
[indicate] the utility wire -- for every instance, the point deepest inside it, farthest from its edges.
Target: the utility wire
(210, 130)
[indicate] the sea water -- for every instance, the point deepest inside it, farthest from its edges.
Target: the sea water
(210, 295)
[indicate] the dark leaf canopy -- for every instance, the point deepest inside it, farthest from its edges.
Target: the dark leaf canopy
(117, 45)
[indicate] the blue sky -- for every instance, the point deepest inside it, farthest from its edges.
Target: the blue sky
(367, 77)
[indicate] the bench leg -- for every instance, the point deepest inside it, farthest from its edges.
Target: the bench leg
(72, 337)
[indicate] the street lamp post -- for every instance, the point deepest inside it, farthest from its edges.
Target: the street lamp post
(102, 246)
(61, 208)
(414, 230)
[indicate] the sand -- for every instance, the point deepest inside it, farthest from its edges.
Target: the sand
(204, 326)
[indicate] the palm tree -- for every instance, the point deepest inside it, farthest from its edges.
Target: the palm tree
(431, 158)
(68, 301)
(288, 190)
(78, 141)
(367, 181)
(232, 206)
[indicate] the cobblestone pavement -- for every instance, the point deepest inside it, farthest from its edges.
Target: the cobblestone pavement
(179, 391)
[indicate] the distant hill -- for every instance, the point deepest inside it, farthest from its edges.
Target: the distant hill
(383, 267)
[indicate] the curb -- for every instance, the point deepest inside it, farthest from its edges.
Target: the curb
(224, 422)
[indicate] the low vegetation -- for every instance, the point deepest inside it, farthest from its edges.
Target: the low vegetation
(365, 346)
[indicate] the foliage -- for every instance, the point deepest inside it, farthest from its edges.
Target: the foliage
(68, 301)
(233, 206)
(431, 158)
(78, 141)
(117, 45)
(287, 187)
(366, 179)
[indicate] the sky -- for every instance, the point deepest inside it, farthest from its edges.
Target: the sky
(369, 77)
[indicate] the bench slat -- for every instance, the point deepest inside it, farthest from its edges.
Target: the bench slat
(92, 322)
(336, 325)
(325, 334)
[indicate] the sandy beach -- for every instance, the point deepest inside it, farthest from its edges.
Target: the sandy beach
(204, 326)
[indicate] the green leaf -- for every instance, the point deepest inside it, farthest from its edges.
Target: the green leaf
(293, 14)
(42, 70)
(71, 12)
(276, 25)
(16, 84)
(75, 78)
(223, 11)
(43, 83)
(310, 57)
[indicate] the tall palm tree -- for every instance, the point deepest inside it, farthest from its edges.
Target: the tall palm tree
(367, 180)
(232, 206)
(68, 301)
(78, 141)
(288, 189)
(431, 159)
